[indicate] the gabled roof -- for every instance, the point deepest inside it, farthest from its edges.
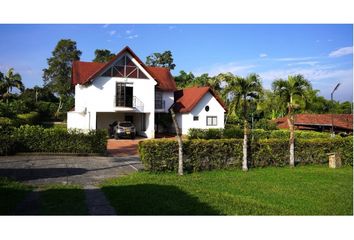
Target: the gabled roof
(187, 98)
(305, 121)
(86, 72)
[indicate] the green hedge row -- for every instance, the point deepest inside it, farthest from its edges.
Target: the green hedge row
(162, 155)
(219, 133)
(38, 139)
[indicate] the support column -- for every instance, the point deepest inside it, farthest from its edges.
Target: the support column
(150, 125)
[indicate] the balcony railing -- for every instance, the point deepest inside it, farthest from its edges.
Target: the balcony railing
(133, 102)
(159, 104)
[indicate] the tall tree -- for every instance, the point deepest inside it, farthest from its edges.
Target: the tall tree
(103, 55)
(57, 77)
(292, 91)
(184, 79)
(164, 59)
(9, 81)
(242, 91)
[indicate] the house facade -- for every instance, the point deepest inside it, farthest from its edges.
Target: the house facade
(125, 89)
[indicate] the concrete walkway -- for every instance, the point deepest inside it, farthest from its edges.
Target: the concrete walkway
(97, 203)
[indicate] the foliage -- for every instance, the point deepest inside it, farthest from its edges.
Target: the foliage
(28, 118)
(57, 77)
(305, 190)
(265, 124)
(161, 155)
(8, 81)
(164, 59)
(103, 55)
(38, 139)
(184, 79)
(7, 145)
(234, 131)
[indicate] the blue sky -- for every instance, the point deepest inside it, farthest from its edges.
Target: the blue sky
(323, 53)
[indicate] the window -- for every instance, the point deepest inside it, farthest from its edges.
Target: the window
(124, 95)
(211, 120)
(207, 108)
(195, 118)
(124, 68)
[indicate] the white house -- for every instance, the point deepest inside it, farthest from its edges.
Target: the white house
(125, 89)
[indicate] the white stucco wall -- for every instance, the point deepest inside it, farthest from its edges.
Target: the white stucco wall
(185, 120)
(99, 96)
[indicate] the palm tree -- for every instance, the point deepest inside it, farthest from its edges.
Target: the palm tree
(10, 80)
(243, 90)
(295, 86)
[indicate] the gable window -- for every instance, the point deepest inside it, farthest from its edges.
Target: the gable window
(211, 120)
(195, 118)
(124, 68)
(207, 108)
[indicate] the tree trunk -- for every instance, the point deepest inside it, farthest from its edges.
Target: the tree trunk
(180, 143)
(59, 107)
(292, 139)
(245, 142)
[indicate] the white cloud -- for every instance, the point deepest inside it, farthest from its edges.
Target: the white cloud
(233, 67)
(128, 31)
(171, 27)
(105, 26)
(310, 63)
(133, 36)
(341, 52)
(112, 32)
(263, 55)
(290, 59)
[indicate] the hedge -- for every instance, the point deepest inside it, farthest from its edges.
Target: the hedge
(162, 155)
(38, 139)
(235, 132)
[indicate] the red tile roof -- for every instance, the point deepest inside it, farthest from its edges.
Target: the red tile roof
(187, 98)
(306, 121)
(85, 72)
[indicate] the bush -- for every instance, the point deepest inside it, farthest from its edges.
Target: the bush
(266, 124)
(210, 133)
(234, 131)
(162, 155)
(38, 139)
(7, 145)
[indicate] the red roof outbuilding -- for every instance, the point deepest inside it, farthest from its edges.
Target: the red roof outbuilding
(187, 98)
(313, 121)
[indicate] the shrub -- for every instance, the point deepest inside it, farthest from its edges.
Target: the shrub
(266, 124)
(7, 145)
(233, 131)
(38, 139)
(210, 133)
(199, 154)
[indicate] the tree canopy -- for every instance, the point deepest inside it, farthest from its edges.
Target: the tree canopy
(164, 59)
(103, 55)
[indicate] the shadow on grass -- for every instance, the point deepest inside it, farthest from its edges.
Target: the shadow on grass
(152, 199)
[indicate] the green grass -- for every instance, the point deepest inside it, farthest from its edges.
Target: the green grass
(53, 199)
(11, 194)
(63, 200)
(304, 190)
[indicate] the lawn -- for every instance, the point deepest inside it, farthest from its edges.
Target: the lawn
(53, 199)
(304, 190)
(11, 194)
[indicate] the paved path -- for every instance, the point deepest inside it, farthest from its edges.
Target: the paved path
(97, 203)
(84, 171)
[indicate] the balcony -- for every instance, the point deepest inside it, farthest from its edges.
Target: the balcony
(159, 104)
(129, 102)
